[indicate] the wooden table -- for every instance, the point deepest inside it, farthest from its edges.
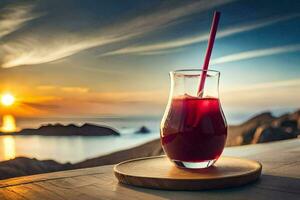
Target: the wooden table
(280, 180)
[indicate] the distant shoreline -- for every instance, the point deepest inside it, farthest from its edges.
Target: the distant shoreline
(66, 130)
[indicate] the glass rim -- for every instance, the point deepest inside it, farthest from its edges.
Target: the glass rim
(193, 72)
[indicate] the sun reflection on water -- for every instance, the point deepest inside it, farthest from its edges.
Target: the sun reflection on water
(8, 124)
(9, 147)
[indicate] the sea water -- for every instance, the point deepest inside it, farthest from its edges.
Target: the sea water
(78, 148)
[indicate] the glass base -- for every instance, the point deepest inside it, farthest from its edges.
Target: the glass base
(194, 165)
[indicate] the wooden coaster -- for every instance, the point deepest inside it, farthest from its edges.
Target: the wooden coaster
(160, 173)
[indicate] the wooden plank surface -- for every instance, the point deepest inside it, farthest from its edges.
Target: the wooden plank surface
(280, 180)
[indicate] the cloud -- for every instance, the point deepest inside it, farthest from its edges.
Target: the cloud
(267, 85)
(93, 104)
(33, 106)
(257, 53)
(47, 47)
(45, 87)
(156, 48)
(30, 50)
(284, 93)
(155, 97)
(102, 97)
(40, 106)
(70, 89)
(75, 89)
(14, 16)
(117, 103)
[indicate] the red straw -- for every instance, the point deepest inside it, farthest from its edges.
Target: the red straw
(211, 40)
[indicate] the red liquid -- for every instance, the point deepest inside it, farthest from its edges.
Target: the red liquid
(194, 130)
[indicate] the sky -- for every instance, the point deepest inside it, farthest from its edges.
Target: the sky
(111, 58)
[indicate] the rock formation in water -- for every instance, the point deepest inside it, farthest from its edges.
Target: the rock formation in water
(143, 130)
(68, 130)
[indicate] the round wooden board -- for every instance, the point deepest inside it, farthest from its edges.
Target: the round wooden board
(160, 173)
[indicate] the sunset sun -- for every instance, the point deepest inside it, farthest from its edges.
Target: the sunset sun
(7, 99)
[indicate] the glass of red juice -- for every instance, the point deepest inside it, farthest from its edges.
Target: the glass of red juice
(193, 129)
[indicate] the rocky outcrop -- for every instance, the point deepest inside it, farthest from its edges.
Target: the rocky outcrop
(243, 133)
(22, 166)
(69, 130)
(143, 130)
(269, 134)
(265, 128)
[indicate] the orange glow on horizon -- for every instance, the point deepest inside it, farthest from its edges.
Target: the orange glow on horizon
(8, 124)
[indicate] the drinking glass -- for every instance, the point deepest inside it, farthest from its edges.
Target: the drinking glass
(193, 129)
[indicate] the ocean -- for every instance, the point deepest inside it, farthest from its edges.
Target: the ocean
(77, 148)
